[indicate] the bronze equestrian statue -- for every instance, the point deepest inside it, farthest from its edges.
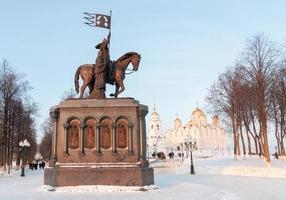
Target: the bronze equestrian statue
(95, 76)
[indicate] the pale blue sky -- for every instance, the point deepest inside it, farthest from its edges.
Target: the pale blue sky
(184, 45)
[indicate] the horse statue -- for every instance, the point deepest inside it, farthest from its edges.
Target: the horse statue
(115, 75)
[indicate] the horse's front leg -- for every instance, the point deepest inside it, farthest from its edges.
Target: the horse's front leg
(116, 91)
(122, 88)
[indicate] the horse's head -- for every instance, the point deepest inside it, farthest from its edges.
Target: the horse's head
(126, 59)
(135, 60)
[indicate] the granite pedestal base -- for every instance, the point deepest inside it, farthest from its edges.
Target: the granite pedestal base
(120, 176)
(99, 142)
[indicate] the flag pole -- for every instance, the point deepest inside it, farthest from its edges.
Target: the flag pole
(110, 30)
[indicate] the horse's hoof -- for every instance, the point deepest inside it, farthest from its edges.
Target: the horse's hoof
(112, 95)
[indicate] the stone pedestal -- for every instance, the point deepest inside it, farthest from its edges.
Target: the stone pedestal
(121, 176)
(99, 142)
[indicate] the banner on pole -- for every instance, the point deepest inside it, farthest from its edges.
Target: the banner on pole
(98, 20)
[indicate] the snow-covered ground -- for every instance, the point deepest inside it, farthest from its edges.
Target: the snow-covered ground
(215, 179)
(251, 167)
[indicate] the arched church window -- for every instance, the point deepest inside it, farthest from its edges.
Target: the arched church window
(151, 126)
(90, 134)
(74, 134)
(106, 134)
(178, 148)
(122, 134)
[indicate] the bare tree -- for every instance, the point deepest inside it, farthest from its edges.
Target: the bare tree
(46, 142)
(222, 97)
(260, 59)
(69, 94)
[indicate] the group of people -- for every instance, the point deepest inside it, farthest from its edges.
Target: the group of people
(34, 165)
(171, 155)
(160, 155)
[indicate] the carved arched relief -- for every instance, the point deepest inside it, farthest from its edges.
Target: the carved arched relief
(90, 134)
(122, 131)
(106, 134)
(74, 134)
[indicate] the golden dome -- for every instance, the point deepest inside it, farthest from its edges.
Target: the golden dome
(177, 123)
(198, 112)
(155, 114)
(216, 121)
(215, 117)
(198, 118)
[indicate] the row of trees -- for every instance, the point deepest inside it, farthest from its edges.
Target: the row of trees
(252, 95)
(17, 120)
(16, 116)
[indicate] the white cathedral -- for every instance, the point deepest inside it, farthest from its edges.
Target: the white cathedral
(210, 138)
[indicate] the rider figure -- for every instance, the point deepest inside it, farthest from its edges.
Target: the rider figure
(101, 64)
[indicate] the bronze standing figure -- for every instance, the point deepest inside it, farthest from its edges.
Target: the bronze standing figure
(100, 68)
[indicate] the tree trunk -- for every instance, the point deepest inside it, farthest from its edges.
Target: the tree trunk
(256, 145)
(238, 144)
(242, 140)
(235, 150)
(282, 131)
(256, 137)
(276, 127)
(262, 114)
(248, 141)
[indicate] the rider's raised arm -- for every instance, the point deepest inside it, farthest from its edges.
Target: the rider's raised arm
(108, 38)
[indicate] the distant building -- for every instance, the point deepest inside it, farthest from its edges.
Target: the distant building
(209, 137)
(156, 141)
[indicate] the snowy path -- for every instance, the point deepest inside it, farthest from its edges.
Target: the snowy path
(246, 188)
(172, 185)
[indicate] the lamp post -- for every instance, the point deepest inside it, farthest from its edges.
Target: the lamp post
(182, 151)
(148, 151)
(24, 147)
(276, 153)
(154, 148)
(191, 144)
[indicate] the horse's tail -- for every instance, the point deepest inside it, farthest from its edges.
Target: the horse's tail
(76, 78)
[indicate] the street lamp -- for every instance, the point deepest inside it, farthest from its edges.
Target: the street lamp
(182, 152)
(148, 150)
(191, 144)
(154, 148)
(24, 147)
